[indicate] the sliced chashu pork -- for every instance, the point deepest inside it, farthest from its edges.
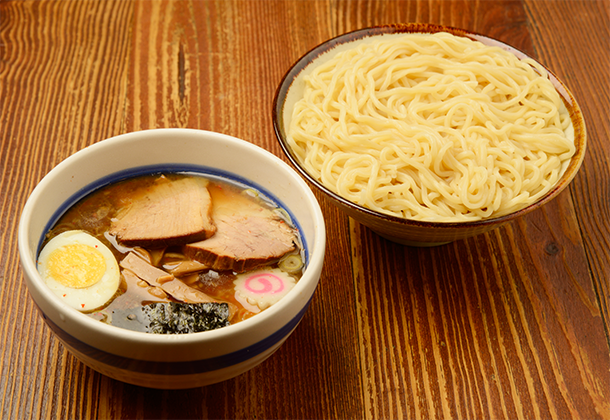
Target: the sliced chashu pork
(247, 236)
(168, 213)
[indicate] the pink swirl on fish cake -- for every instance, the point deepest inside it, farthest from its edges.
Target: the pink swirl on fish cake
(264, 283)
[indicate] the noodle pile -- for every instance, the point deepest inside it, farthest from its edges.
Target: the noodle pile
(432, 127)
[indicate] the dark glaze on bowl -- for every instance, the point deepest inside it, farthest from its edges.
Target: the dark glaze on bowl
(414, 232)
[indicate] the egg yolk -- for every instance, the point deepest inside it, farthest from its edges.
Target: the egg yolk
(76, 265)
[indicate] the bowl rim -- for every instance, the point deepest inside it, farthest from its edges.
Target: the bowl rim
(580, 137)
(316, 247)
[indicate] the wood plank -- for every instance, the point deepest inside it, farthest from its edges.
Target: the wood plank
(62, 82)
(500, 332)
(581, 32)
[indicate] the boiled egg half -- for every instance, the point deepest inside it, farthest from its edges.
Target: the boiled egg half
(79, 269)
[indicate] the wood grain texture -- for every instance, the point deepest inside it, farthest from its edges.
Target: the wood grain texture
(506, 357)
(510, 324)
(61, 89)
(584, 36)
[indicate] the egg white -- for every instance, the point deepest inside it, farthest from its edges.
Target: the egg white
(88, 298)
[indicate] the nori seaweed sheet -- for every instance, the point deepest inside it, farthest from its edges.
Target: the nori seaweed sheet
(184, 318)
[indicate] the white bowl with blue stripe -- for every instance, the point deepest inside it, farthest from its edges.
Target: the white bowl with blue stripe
(184, 360)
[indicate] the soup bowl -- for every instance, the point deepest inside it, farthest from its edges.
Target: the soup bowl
(397, 229)
(171, 361)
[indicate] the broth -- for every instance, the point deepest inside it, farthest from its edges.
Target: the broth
(184, 279)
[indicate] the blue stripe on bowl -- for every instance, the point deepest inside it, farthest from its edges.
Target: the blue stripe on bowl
(176, 368)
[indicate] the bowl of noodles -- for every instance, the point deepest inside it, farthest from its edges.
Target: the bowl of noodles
(428, 134)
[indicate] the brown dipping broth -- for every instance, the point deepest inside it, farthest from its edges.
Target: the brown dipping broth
(93, 215)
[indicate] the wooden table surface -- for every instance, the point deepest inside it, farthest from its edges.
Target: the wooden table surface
(509, 324)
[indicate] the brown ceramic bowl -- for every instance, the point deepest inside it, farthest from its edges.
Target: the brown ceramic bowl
(397, 229)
